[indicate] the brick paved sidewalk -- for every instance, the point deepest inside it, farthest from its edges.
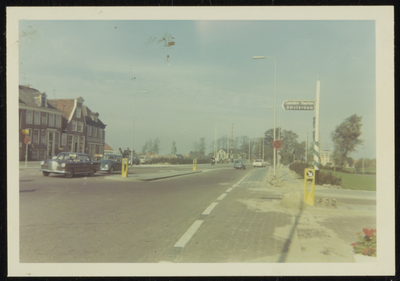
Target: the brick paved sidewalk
(266, 223)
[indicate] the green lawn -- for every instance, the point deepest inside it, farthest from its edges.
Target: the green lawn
(356, 181)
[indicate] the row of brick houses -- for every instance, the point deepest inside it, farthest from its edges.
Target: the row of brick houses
(57, 125)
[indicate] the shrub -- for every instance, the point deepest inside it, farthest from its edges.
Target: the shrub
(328, 178)
(299, 168)
(366, 244)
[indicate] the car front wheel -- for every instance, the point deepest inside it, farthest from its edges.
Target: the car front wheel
(92, 171)
(69, 174)
(46, 173)
(111, 170)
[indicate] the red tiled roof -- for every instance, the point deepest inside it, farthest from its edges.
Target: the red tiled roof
(107, 147)
(65, 106)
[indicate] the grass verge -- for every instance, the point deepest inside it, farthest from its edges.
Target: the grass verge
(356, 181)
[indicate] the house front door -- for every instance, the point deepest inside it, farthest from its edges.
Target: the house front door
(50, 144)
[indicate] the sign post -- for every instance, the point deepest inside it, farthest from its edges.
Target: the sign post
(309, 175)
(27, 141)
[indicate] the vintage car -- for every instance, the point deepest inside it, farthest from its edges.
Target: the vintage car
(110, 163)
(239, 164)
(70, 163)
(259, 163)
(145, 160)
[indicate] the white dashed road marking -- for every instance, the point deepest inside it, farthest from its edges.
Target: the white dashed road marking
(221, 197)
(196, 225)
(188, 234)
(210, 208)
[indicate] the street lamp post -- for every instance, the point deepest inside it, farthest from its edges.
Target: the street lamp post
(133, 121)
(265, 57)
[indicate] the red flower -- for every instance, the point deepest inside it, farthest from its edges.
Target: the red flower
(369, 232)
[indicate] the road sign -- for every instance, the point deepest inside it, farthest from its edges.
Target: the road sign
(298, 104)
(25, 132)
(27, 140)
(310, 174)
(277, 144)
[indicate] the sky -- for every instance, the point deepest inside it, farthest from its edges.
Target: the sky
(179, 80)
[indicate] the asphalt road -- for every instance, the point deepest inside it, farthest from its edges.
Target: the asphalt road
(94, 219)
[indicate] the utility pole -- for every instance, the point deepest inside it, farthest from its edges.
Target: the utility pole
(232, 144)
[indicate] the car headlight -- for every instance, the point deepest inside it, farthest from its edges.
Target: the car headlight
(63, 165)
(41, 163)
(106, 166)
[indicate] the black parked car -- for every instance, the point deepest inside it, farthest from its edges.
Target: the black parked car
(110, 163)
(70, 163)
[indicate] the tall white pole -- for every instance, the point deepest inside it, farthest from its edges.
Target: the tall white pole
(133, 122)
(316, 141)
(249, 150)
(307, 147)
(274, 119)
(274, 150)
(215, 141)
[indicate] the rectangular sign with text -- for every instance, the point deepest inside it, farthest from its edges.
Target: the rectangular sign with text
(298, 104)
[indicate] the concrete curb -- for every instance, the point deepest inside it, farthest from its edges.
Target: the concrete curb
(151, 177)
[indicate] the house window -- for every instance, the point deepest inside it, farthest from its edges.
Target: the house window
(70, 142)
(35, 139)
(42, 154)
(28, 117)
(36, 117)
(44, 118)
(89, 131)
(51, 120)
(74, 126)
(63, 139)
(35, 154)
(100, 133)
(43, 137)
(78, 112)
(95, 132)
(58, 121)
(80, 127)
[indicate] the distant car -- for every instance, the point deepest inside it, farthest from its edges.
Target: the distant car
(145, 160)
(259, 163)
(70, 163)
(136, 161)
(110, 163)
(239, 164)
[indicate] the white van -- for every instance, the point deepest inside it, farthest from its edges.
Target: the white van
(145, 160)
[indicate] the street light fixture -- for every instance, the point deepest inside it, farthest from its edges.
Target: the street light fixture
(133, 120)
(265, 57)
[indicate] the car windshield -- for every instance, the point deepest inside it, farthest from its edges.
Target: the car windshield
(66, 157)
(238, 161)
(108, 157)
(258, 160)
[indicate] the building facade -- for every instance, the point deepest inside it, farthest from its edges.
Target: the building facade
(43, 122)
(95, 133)
(73, 136)
(57, 125)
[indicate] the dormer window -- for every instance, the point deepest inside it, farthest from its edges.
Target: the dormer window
(78, 112)
(44, 101)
